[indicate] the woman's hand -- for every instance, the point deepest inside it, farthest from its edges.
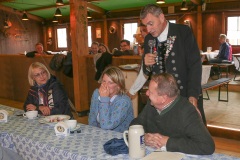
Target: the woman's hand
(31, 107)
(104, 90)
(45, 110)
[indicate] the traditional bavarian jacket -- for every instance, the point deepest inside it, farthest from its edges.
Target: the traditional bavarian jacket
(178, 55)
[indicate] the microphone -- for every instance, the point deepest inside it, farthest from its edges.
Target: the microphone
(151, 44)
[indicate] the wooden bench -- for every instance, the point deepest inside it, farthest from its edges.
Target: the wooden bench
(217, 83)
(223, 66)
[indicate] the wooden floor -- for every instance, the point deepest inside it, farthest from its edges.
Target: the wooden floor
(223, 145)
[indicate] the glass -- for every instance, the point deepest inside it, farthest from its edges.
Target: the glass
(38, 75)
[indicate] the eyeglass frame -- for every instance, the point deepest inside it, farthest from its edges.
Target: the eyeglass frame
(42, 73)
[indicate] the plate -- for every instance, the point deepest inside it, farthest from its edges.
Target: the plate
(76, 128)
(129, 66)
(53, 119)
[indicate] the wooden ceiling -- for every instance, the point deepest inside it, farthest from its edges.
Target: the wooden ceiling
(45, 9)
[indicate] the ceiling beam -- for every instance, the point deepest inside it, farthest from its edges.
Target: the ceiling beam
(20, 13)
(197, 2)
(95, 8)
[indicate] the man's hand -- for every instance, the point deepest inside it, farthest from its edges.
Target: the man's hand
(155, 140)
(131, 96)
(194, 101)
(150, 59)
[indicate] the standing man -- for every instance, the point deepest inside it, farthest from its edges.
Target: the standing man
(176, 53)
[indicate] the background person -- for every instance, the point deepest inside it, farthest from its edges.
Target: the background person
(223, 50)
(170, 121)
(46, 93)
(124, 49)
(104, 61)
(39, 51)
(111, 108)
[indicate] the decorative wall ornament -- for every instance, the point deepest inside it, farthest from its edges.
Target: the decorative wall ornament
(112, 29)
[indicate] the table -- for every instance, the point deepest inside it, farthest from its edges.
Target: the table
(236, 59)
(206, 69)
(210, 55)
(33, 140)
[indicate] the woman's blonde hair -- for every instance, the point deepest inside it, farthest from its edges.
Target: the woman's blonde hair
(116, 75)
(30, 71)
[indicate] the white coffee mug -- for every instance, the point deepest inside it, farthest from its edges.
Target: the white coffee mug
(135, 141)
(31, 114)
(71, 123)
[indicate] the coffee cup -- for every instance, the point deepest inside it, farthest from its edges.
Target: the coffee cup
(135, 141)
(71, 123)
(31, 114)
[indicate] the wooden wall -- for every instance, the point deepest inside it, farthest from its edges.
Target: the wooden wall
(21, 36)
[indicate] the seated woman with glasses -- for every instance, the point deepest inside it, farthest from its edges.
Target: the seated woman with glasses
(111, 108)
(46, 93)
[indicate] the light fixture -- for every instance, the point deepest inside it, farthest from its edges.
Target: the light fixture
(89, 15)
(55, 20)
(184, 6)
(24, 16)
(160, 1)
(58, 12)
(59, 3)
(7, 23)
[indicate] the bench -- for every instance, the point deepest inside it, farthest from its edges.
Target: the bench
(223, 66)
(217, 83)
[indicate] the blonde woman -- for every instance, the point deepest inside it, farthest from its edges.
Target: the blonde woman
(111, 108)
(46, 93)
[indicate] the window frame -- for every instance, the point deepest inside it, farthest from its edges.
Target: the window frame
(234, 14)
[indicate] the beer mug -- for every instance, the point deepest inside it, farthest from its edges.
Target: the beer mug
(135, 141)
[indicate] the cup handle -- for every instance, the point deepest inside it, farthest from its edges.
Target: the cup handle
(24, 115)
(125, 138)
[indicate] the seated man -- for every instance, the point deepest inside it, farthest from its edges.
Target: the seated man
(170, 121)
(222, 56)
(124, 49)
(39, 51)
(223, 50)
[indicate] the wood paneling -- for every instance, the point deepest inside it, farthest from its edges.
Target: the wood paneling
(21, 36)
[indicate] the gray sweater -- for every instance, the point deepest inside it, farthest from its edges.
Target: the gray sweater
(182, 124)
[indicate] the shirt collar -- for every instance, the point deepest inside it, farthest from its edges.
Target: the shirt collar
(163, 36)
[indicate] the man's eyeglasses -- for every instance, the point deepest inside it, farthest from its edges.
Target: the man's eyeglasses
(43, 73)
(123, 45)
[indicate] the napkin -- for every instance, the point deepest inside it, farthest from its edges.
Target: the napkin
(115, 146)
(164, 156)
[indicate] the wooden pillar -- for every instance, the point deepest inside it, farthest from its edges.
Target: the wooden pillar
(199, 27)
(79, 38)
(105, 30)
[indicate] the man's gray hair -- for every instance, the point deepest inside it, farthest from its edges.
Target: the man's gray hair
(166, 84)
(150, 8)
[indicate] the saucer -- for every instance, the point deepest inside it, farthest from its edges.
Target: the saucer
(76, 128)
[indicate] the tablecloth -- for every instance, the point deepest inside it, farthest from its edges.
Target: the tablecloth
(35, 141)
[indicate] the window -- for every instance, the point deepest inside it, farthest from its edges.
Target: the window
(62, 38)
(129, 30)
(89, 36)
(233, 30)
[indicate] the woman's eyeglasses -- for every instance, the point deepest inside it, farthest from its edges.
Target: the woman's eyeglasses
(38, 75)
